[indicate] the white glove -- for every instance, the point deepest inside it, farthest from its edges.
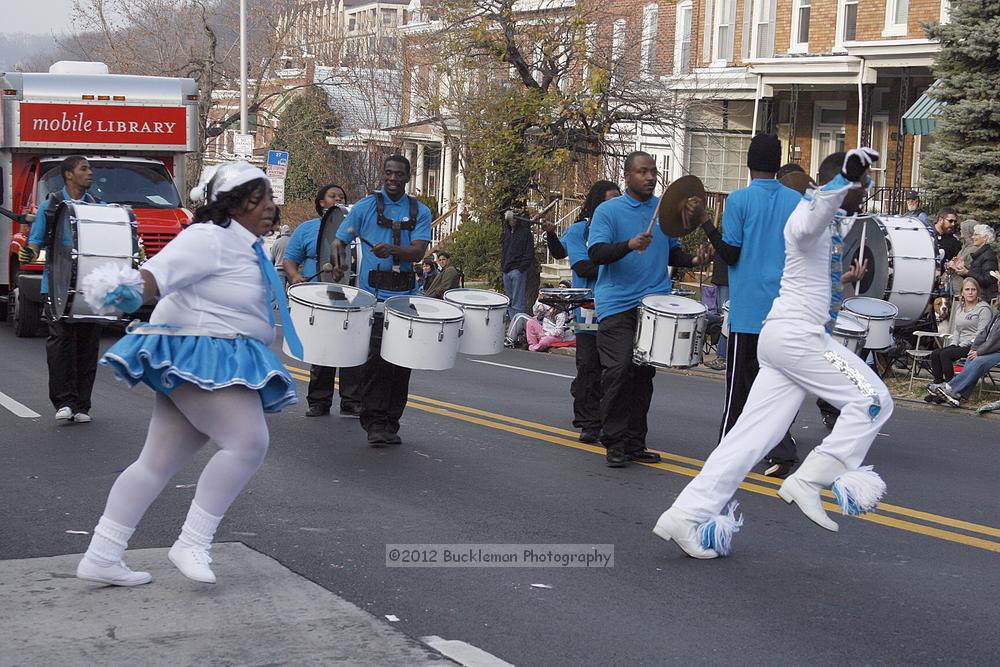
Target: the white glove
(857, 161)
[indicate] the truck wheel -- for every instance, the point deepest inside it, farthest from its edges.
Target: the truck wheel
(27, 316)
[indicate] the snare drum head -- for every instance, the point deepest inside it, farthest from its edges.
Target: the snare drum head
(847, 325)
(424, 308)
(871, 308)
(565, 295)
(466, 296)
(672, 305)
(331, 296)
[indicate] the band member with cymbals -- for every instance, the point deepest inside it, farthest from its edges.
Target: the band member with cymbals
(798, 356)
(395, 230)
(634, 262)
(752, 244)
(586, 387)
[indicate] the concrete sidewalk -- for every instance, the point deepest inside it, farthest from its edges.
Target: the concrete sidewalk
(261, 613)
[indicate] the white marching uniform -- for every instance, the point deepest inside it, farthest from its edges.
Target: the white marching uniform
(797, 356)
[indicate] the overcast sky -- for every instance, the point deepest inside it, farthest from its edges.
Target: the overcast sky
(35, 16)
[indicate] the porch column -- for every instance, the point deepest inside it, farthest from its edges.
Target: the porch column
(421, 185)
(460, 195)
(446, 163)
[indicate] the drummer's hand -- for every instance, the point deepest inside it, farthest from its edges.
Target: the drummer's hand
(297, 278)
(382, 250)
(640, 241)
(703, 257)
(694, 212)
(337, 274)
(855, 273)
(549, 227)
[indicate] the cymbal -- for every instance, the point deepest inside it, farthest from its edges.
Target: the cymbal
(798, 181)
(674, 201)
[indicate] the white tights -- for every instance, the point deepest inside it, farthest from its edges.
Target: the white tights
(181, 424)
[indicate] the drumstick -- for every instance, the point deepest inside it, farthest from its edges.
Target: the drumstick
(326, 268)
(861, 251)
(352, 231)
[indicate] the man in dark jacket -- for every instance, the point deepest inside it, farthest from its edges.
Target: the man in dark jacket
(517, 252)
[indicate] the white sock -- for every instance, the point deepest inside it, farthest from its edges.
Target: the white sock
(108, 544)
(199, 528)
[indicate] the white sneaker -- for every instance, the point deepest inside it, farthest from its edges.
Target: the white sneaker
(64, 412)
(118, 574)
(82, 418)
(192, 562)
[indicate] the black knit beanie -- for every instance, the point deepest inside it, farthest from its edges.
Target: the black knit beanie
(765, 153)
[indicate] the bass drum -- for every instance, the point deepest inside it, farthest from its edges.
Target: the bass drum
(327, 234)
(85, 237)
(901, 256)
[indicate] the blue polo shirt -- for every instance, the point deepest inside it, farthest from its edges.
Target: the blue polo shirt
(574, 239)
(37, 234)
(364, 218)
(301, 247)
(754, 220)
(622, 285)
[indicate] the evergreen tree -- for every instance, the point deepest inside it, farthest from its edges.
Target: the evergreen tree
(962, 166)
(304, 125)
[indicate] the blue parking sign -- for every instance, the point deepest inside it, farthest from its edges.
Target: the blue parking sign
(277, 158)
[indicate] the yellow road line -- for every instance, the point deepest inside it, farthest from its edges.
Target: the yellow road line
(550, 434)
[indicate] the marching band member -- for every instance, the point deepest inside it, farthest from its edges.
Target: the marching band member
(586, 387)
(399, 229)
(797, 357)
(205, 354)
(633, 264)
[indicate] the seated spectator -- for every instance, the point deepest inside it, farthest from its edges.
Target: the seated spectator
(448, 278)
(982, 261)
(428, 273)
(984, 354)
(971, 317)
(547, 327)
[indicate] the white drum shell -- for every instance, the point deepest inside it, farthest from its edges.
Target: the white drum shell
(483, 330)
(878, 327)
(331, 336)
(669, 340)
(850, 333)
(420, 344)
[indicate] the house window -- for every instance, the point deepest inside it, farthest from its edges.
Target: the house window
(706, 42)
(897, 13)
(829, 131)
(725, 18)
(847, 21)
(800, 24)
(719, 160)
(650, 21)
(590, 46)
(682, 38)
(764, 37)
(618, 50)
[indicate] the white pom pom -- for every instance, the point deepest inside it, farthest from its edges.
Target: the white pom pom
(859, 491)
(717, 533)
(97, 284)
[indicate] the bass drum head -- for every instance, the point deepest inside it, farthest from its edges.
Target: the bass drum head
(423, 308)
(669, 304)
(476, 298)
(331, 296)
(60, 260)
(327, 234)
(876, 279)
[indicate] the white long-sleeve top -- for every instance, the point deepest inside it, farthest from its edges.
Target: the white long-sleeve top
(209, 277)
(806, 284)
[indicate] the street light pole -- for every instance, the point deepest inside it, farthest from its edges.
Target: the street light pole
(243, 66)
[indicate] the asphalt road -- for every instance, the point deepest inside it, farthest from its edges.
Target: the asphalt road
(487, 458)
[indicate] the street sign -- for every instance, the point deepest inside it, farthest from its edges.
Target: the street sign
(277, 158)
(278, 190)
(243, 145)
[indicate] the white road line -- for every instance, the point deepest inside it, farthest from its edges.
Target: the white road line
(464, 653)
(18, 409)
(521, 368)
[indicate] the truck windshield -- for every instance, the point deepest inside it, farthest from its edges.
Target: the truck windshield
(138, 184)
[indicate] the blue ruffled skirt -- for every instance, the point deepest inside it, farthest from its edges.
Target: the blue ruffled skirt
(165, 362)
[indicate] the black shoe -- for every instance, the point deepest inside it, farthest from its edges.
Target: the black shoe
(616, 458)
(931, 398)
(643, 456)
(379, 438)
(350, 410)
(317, 411)
(829, 420)
(589, 437)
(776, 469)
(393, 439)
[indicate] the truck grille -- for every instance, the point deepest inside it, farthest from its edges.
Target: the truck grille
(154, 242)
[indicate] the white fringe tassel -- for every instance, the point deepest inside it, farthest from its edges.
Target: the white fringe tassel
(859, 491)
(101, 281)
(717, 533)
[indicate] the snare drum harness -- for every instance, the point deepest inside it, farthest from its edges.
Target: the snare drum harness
(395, 280)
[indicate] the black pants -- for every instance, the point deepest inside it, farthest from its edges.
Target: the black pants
(627, 387)
(72, 350)
(586, 387)
(382, 388)
(320, 392)
(741, 370)
(943, 361)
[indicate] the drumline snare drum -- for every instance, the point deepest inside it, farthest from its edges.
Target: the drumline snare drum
(567, 298)
(334, 323)
(849, 332)
(87, 236)
(483, 310)
(876, 316)
(670, 332)
(421, 333)
(902, 260)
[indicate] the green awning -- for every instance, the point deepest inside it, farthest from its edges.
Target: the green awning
(919, 118)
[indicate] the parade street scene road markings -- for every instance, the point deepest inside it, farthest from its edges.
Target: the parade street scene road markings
(550, 434)
(521, 368)
(16, 407)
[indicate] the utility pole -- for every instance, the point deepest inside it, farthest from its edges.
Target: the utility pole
(243, 67)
